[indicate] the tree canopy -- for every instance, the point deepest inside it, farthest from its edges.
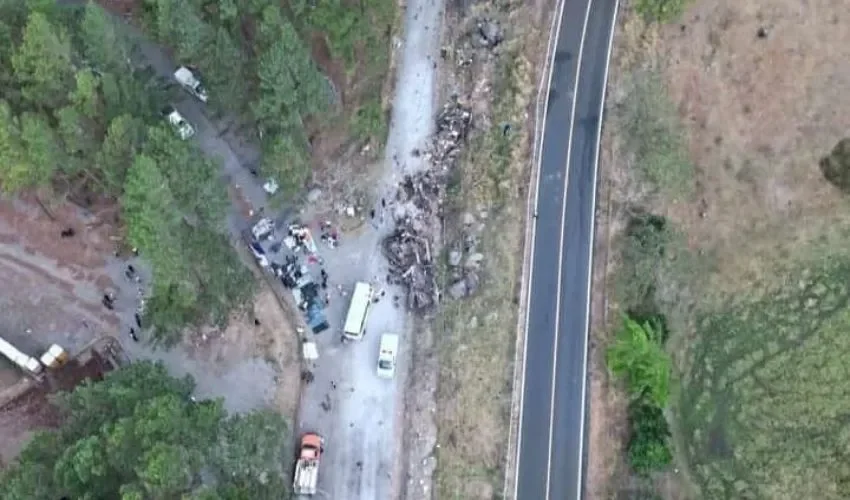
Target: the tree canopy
(78, 114)
(138, 435)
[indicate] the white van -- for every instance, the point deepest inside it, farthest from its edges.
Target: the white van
(387, 355)
(358, 311)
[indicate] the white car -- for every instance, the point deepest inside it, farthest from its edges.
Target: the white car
(181, 126)
(187, 79)
(387, 355)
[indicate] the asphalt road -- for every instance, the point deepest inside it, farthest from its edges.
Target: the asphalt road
(551, 452)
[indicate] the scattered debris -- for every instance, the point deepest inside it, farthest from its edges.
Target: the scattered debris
(409, 248)
(488, 33)
(455, 257)
(314, 195)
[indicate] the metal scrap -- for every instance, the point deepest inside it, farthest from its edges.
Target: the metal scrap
(408, 248)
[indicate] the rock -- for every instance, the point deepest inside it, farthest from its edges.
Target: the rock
(473, 323)
(490, 33)
(473, 282)
(314, 195)
(458, 290)
(454, 258)
(474, 259)
(468, 219)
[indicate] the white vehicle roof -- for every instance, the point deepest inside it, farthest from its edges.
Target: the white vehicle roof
(185, 76)
(271, 186)
(183, 128)
(358, 310)
(387, 355)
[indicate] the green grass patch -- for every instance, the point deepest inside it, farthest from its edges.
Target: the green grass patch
(369, 121)
(653, 133)
(764, 406)
(662, 11)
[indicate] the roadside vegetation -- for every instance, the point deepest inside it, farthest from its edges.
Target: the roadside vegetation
(655, 136)
(138, 434)
(756, 338)
(476, 335)
(81, 122)
(661, 10)
(638, 358)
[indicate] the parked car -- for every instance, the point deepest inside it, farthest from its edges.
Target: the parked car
(180, 125)
(387, 355)
(190, 81)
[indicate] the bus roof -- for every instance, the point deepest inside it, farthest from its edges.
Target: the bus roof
(357, 311)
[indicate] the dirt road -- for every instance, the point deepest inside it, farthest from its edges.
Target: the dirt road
(364, 422)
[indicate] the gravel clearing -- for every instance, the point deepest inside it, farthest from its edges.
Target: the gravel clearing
(364, 424)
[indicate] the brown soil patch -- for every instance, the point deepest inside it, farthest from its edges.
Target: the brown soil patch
(58, 281)
(30, 410)
(760, 112)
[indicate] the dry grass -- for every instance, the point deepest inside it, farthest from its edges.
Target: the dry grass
(758, 113)
(476, 336)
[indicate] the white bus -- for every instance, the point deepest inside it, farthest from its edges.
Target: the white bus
(358, 311)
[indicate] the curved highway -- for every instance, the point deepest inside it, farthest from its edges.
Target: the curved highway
(551, 453)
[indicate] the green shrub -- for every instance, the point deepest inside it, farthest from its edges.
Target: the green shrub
(661, 11)
(836, 166)
(649, 446)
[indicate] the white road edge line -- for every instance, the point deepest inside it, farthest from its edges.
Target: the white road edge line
(561, 250)
(590, 243)
(539, 132)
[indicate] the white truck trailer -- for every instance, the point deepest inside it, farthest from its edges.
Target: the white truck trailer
(306, 479)
(29, 364)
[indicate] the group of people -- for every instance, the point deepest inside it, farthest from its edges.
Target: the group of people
(108, 301)
(329, 235)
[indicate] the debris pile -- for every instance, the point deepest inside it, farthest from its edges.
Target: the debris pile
(409, 248)
(488, 33)
(465, 260)
(453, 124)
(409, 255)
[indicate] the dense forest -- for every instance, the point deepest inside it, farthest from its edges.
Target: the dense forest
(256, 62)
(81, 120)
(139, 434)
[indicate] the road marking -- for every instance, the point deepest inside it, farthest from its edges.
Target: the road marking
(561, 251)
(590, 244)
(541, 124)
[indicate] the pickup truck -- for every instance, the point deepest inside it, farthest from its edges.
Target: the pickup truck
(187, 79)
(307, 468)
